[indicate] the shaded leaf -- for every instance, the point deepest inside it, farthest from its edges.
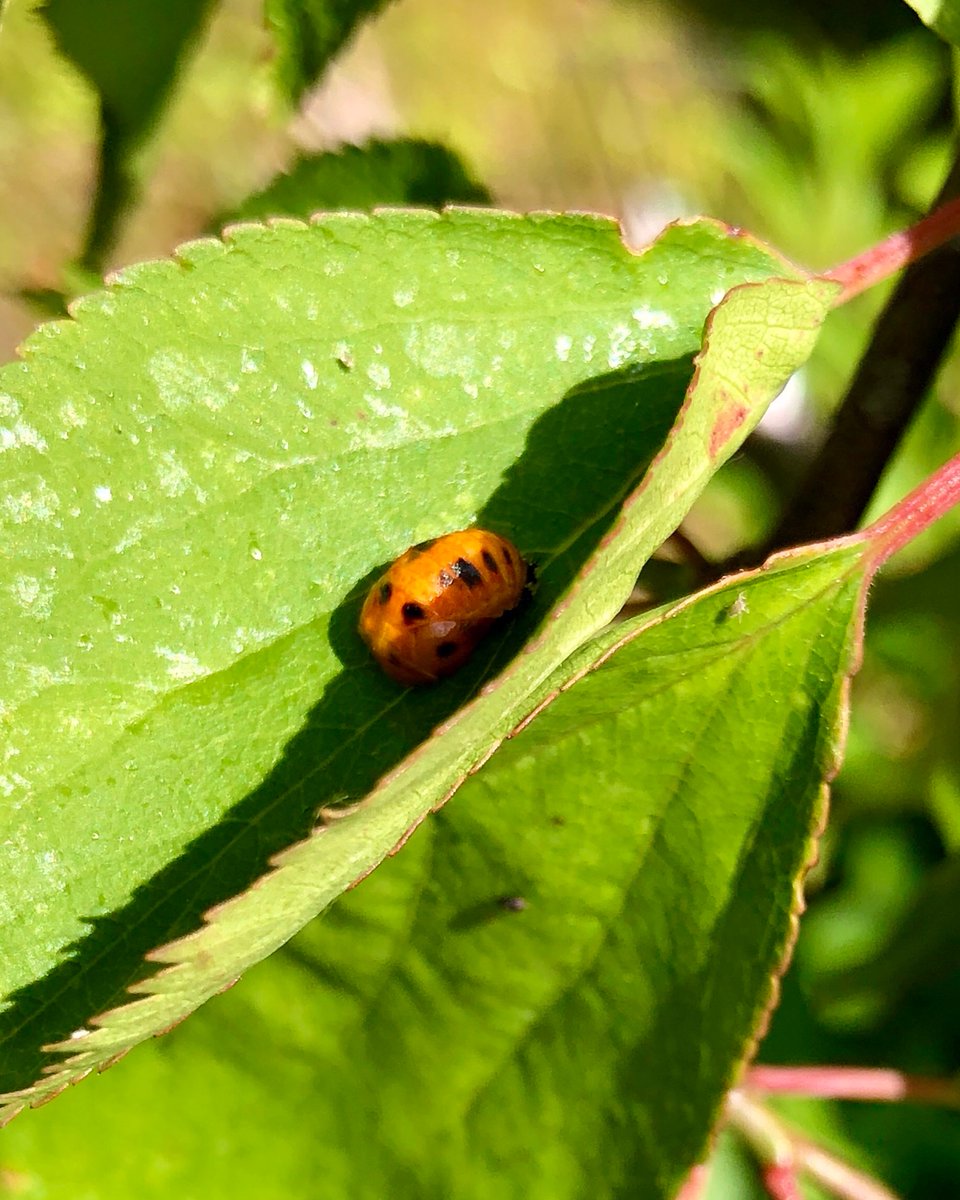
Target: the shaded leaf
(308, 33)
(358, 177)
(130, 51)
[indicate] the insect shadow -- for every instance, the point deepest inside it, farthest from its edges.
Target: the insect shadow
(556, 502)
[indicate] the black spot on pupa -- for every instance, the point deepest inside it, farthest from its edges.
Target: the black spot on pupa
(386, 591)
(490, 562)
(507, 558)
(445, 649)
(420, 547)
(393, 659)
(412, 611)
(465, 570)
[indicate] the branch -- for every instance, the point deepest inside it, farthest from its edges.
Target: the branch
(783, 1152)
(839, 1177)
(909, 340)
(855, 1083)
(781, 1182)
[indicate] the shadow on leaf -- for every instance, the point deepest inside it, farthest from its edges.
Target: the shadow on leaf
(582, 458)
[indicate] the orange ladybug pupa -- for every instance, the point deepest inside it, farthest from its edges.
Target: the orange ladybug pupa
(425, 615)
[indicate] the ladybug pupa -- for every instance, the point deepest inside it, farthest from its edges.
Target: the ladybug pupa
(425, 615)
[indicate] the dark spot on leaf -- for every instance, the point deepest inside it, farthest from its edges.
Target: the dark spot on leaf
(512, 903)
(413, 611)
(445, 649)
(466, 571)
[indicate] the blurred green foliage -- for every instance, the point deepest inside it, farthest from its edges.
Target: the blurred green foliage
(363, 177)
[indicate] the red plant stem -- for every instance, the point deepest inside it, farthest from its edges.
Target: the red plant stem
(909, 341)
(915, 512)
(881, 261)
(838, 1177)
(695, 1184)
(855, 1083)
(781, 1182)
(778, 1146)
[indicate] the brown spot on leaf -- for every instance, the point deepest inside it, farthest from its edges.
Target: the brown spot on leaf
(729, 420)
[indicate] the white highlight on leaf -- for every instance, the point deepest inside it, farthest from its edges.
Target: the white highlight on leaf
(19, 435)
(176, 377)
(379, 375)
(382, 409)
(653, 318)
(310, 373)
(40, 504)
(404, 296)
(441, 350)
(133, 535)
(71, 417)
(173, 477)
(563, 346)
(103, 493)
(182, 665)
(13, 783)
(623, 346)
(33, 595)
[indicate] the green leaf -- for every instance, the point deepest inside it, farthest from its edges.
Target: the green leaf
(357, 177)
(203, 474)
(943, 17)
(654, 819)
(308, 33)
(130, 51)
